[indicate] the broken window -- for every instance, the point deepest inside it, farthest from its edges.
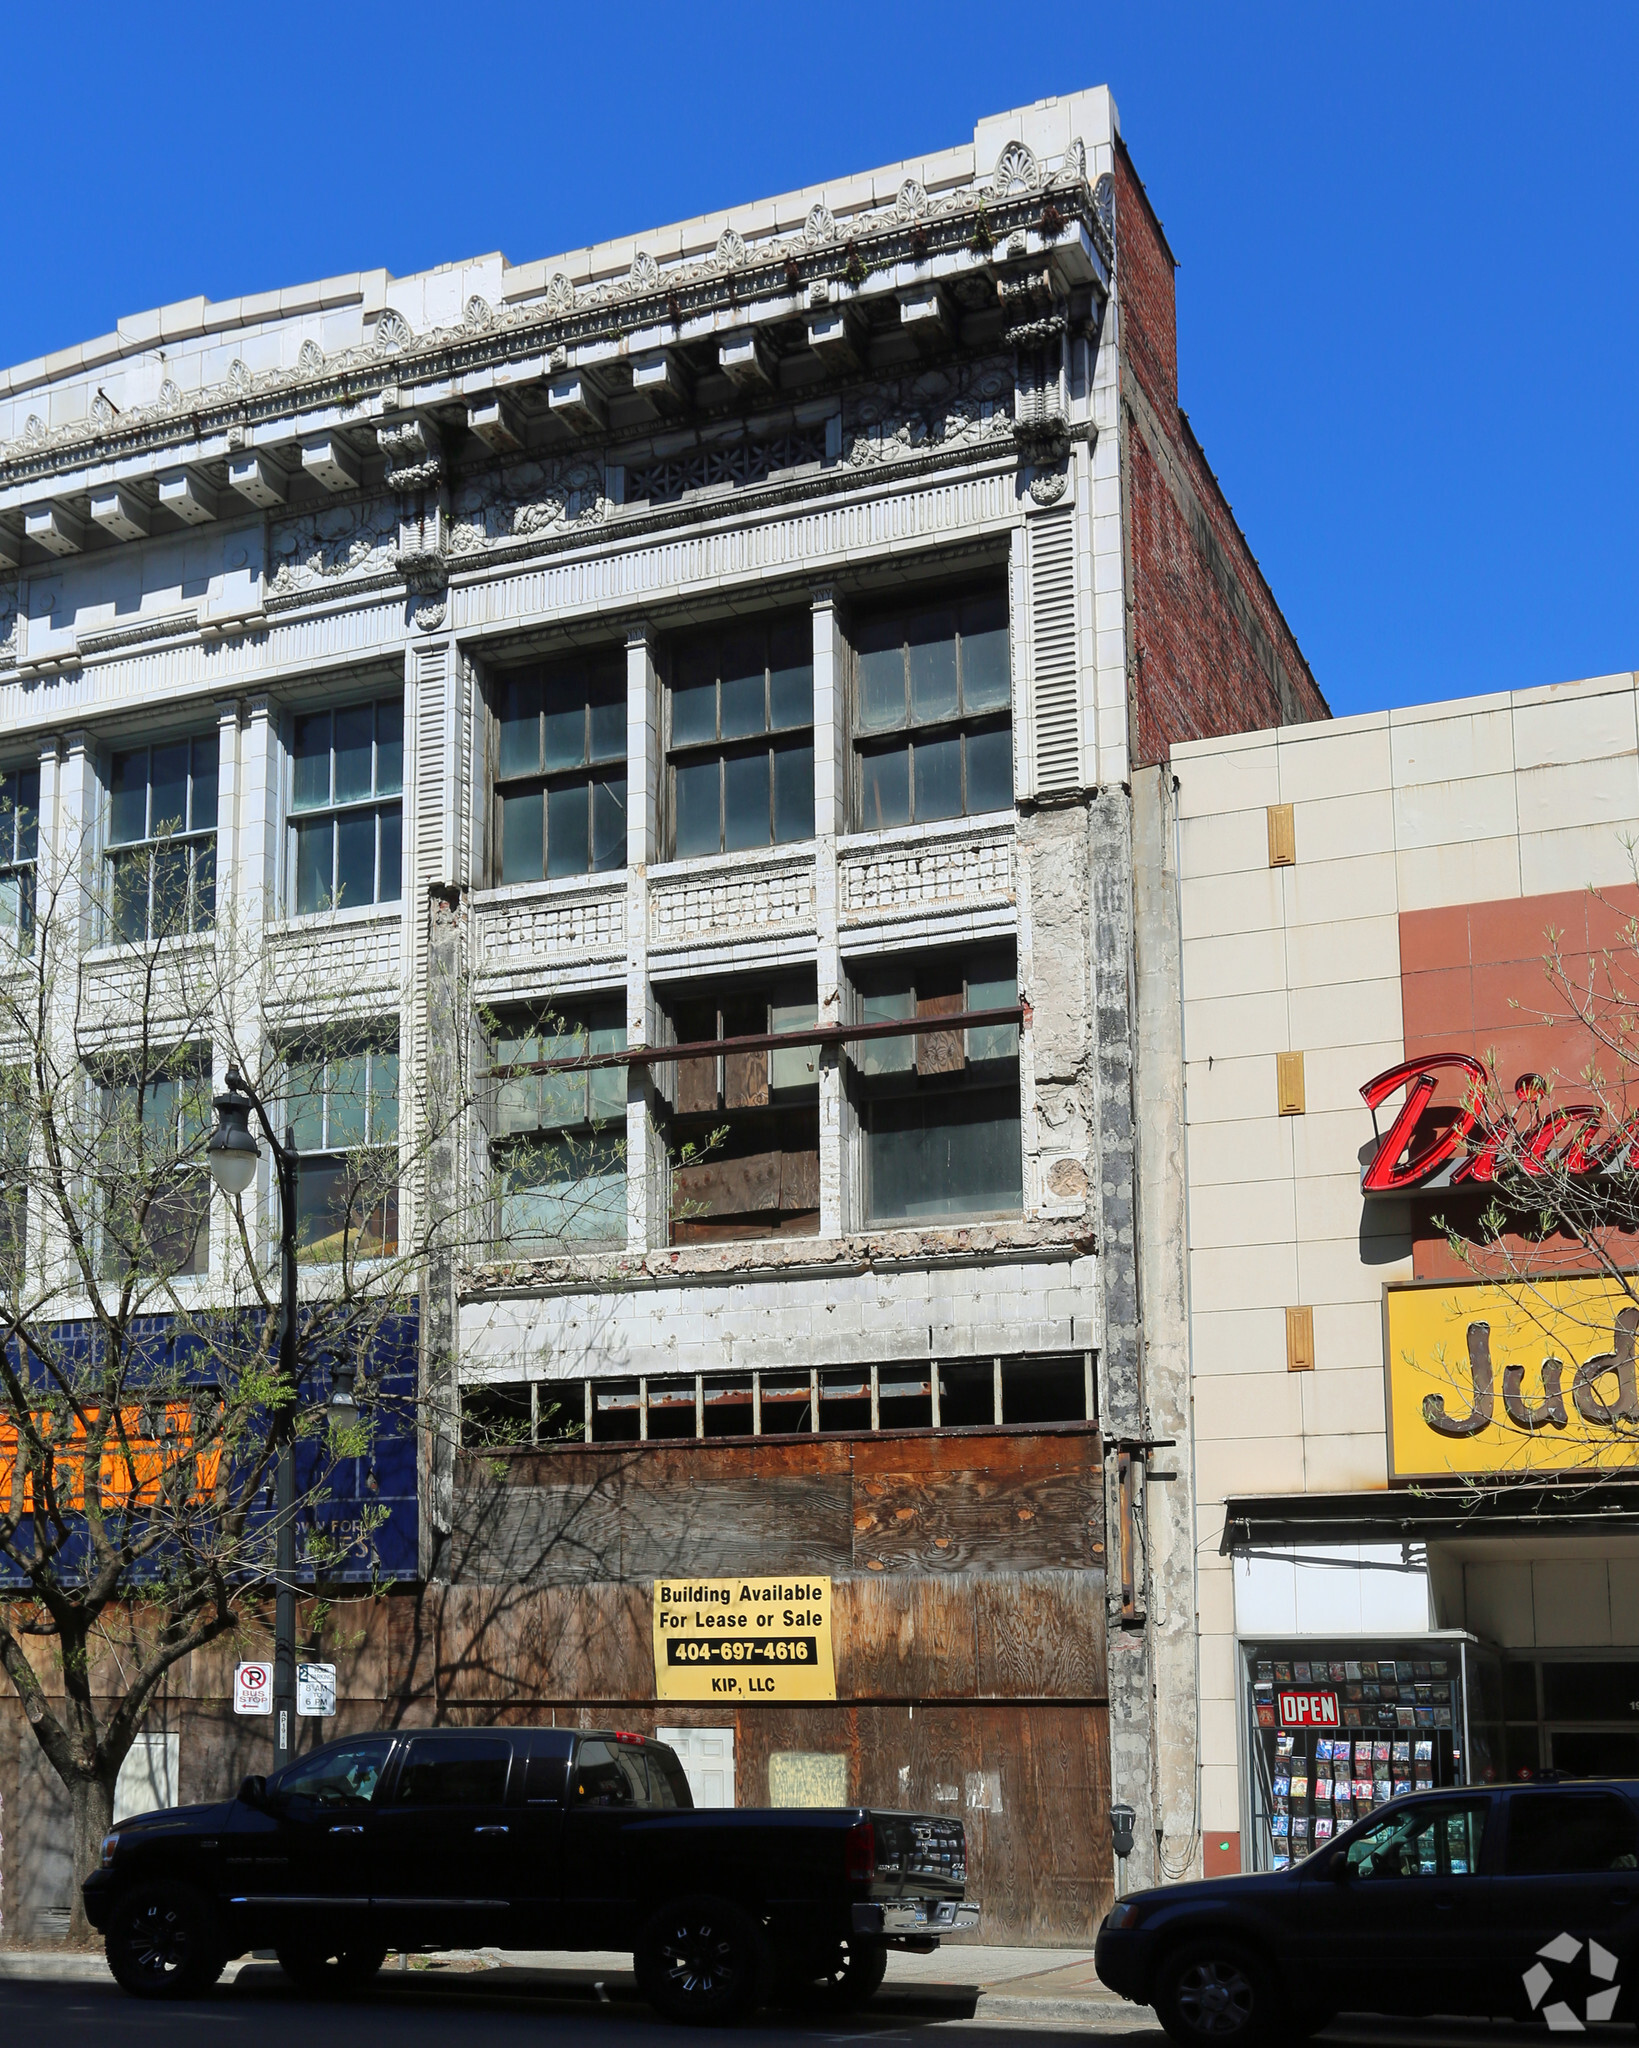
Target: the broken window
(740, 741)
(560, 769)
(617, 1411)
(559, 1140)
(726, 1404)
(905, 1397)
(787, 1403)
(498, 1415)
(932, 712)
(744, 1126)
(939, 1110)
(845, 1399)
(1014, 1392)
(671, 1408)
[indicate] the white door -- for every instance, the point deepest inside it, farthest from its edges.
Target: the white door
(707, 1757)
(147, 1777)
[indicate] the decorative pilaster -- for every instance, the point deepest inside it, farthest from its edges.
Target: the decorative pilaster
(646, 1179)
(830, 819)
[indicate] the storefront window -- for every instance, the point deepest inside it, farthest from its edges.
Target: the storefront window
(1337, 1730)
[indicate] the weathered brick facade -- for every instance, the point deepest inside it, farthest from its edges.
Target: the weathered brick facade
(1209, 651)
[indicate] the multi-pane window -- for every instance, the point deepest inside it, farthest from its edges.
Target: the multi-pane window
(1014, 1391)
(559, 1147)
(162, 840)
(560, 770)
(939, 1110)
(744, 1125)
(342, 1105)
(346, 807)
(19, 852)
(740, 744)
(156, 1188)
(16, 1138)
(933, 734)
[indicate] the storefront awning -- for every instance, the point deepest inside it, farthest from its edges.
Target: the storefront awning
(1258, 1521)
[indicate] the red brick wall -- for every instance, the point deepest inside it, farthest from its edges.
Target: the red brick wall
(1475, 978)
(1206, 631)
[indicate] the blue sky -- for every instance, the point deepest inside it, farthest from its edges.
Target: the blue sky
(1406, 234)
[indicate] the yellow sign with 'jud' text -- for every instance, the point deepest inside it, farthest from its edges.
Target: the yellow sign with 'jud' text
(743, 1639)
(1512, 1380)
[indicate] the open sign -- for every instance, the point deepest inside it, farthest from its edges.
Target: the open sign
(1308, 1710)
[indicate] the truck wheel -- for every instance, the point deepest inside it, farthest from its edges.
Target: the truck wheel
(161, 1942)
(1219, 1993)
(701, 1962)
(332, 1970)
(846, 1977)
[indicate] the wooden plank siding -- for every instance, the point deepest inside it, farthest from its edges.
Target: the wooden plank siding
(969, 1628)
(963, 1502)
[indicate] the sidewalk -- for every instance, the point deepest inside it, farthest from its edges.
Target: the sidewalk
(1045, 1987)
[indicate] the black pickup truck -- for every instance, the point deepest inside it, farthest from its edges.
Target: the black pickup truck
(525, 1838)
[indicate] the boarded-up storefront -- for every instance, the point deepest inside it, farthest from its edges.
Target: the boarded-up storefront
(966, 1576)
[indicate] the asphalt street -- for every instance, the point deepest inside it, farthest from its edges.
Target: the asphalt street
(260, 2010)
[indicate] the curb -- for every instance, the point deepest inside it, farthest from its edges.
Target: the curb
(1092, 2015)
(68, 1967)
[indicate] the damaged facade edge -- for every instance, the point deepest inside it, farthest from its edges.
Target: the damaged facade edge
(879, 423)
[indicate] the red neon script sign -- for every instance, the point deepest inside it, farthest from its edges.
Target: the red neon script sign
(1418, 1151)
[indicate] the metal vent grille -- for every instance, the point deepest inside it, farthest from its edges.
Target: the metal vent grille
(1053, 646)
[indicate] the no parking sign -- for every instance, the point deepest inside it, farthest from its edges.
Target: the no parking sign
(253, 1689)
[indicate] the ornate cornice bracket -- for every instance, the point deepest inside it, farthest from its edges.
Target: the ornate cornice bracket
(414, 452)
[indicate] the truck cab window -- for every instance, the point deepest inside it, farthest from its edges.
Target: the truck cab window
(445, 1773)
(607, 1775)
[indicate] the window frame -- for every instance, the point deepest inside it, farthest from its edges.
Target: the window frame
(989, 1073)
(193, 1067)
(866, 742)
(596, 666)
(784, 1101)
(20, 871)
(378, 803)
(362, 1240)
(770, 742)
(193, 840)
(575, 1022)
(562, 1414)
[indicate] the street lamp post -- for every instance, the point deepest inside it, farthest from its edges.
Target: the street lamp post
(234, 1154)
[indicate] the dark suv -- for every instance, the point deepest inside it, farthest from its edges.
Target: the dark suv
(1519, 1902)
(525, 1838)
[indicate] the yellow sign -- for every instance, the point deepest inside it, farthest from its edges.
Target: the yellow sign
(743, 1639)
(1511, 1380)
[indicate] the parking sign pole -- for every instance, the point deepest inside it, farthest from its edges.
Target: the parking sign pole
(284, 1619)
(233, 1154)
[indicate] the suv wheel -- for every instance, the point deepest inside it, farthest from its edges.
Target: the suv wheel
(1216, 1992)
(161, 1942)
(331, 1970)
(701, 1961)
(836, 1980)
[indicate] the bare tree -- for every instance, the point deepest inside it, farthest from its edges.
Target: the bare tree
(141, 1402)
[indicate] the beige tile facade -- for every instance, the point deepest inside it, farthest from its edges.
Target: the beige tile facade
(1447, 804)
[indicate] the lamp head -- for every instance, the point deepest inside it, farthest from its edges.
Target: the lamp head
(232, 1149)
(340, 1406)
